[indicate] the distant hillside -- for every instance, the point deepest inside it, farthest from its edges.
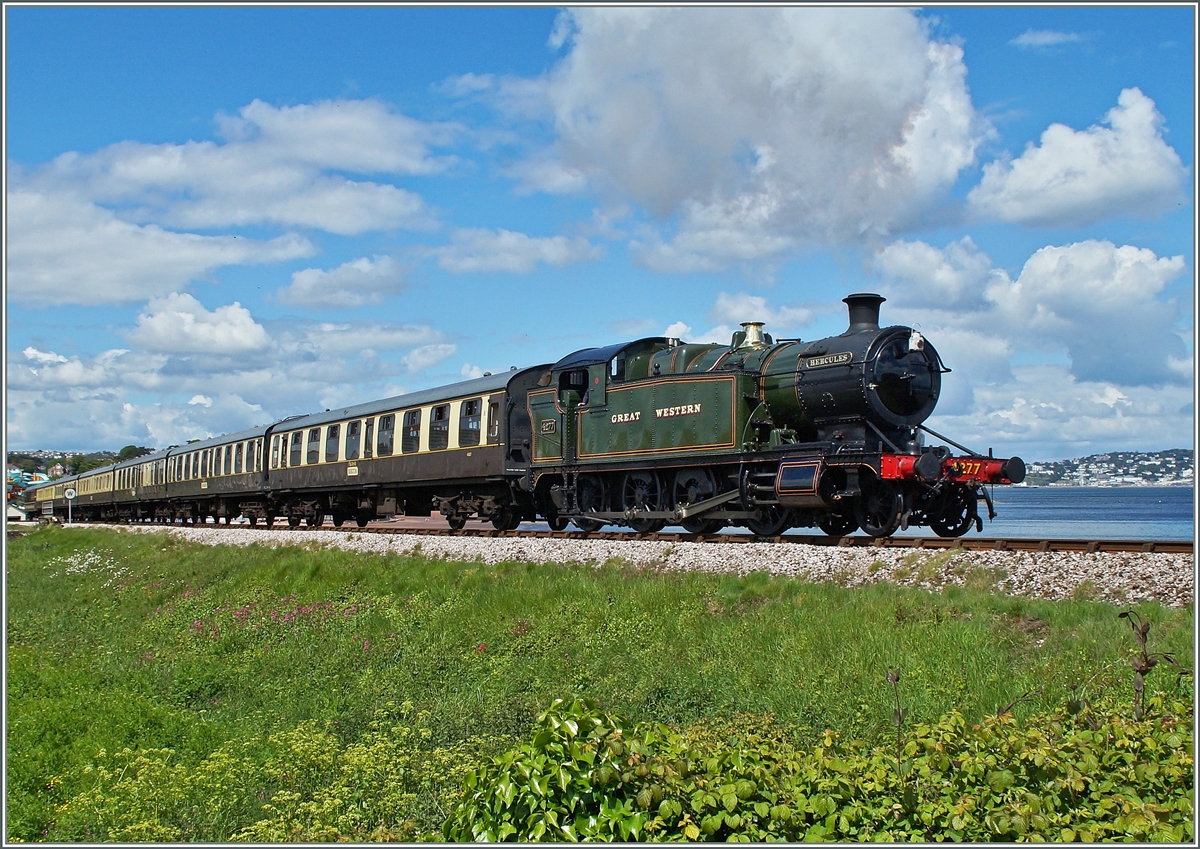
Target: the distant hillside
(1173, 467)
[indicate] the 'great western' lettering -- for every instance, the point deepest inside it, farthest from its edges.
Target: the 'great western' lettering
(626, 417)
(685, 410)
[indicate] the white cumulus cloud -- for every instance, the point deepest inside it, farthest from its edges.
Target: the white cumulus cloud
(505, 250)
(179, 324)
(756, 129)
(281, 166)
(422, 358)
(1101, 306)
(956, 276)
(351, 284)
(740, 307)
(1075, 177)
(1036, 38)
(66, 250)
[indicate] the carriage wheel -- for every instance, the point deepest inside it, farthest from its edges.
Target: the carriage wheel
(361, 518)
(456, 521)
(339, 519)
(293, 521)
(508, 519)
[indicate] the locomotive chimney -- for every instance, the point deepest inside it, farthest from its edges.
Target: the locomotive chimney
(864, 311)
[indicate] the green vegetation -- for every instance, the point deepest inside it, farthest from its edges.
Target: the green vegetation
(1089, 775)
(159, 690)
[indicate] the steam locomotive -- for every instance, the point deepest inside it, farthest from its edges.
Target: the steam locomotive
(760, 434)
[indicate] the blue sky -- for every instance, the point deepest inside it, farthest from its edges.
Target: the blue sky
(218, 217)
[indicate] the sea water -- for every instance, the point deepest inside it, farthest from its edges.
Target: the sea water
(1087, 513)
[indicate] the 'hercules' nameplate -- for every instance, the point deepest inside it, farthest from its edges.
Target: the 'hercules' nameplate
(829, 360)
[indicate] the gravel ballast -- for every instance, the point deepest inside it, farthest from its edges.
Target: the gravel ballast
(1120, 578)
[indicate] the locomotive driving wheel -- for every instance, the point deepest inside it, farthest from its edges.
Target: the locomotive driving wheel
(957, 511)
(879, 506)
(590, 498)
(837, 524)
(642, 491)
(770, 521)
(692, 486)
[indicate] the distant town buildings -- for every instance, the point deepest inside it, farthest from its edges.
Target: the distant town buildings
(1174, 467)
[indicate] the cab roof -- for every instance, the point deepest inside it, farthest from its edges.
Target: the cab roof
(592, 356)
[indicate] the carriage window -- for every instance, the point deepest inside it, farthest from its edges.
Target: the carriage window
(297, 446)
(187, 467)
(353, 435)
(204, 463)
(468, 422)
(439, 427)
(368, 435)
(493, 422)
(251, 455)
(411, 438)
(387, 428)
(229, 458)
(237, 459)
(314, 446)
(333, 438)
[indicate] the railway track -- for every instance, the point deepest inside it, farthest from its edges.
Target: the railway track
(933, 543)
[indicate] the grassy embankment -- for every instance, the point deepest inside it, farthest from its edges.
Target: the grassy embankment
(238, 685)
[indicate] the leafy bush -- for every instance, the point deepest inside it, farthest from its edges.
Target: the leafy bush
(309, 787)
(590, 775)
